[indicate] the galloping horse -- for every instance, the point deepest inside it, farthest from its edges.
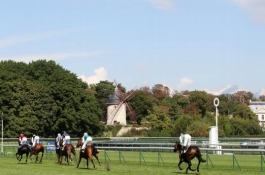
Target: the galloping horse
(23, 149)
(193, 151)
(68, 149)
(94, 150)
(87, 154)
(36, 150)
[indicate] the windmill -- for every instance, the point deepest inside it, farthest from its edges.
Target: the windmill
(118, 107)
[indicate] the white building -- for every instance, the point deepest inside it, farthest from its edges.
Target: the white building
(258, 107)
(116, 109)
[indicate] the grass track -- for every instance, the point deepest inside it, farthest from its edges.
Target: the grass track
(250, 165)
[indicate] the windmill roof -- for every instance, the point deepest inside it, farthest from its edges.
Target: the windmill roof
(114, 98)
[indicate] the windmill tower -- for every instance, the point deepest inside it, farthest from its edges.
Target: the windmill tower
(118, 107)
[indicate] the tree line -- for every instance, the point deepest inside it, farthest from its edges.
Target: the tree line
(43, 98)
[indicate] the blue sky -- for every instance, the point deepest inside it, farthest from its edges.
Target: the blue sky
(208, 45)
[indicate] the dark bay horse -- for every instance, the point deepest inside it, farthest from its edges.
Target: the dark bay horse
(94, 150)
(87, 154)
(193, 151)
(23, 149)
(38, 148)
(67, 150)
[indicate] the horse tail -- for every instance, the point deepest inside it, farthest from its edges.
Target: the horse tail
(199, 155)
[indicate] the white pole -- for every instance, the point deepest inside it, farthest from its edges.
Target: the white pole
(216, 104)
(2, 149)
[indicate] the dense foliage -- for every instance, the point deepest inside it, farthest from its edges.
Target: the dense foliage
(43, 98)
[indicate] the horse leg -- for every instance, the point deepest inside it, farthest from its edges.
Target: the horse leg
(67, 158)
(37, 157)
(96, 156)
(189, 167)
(27, 155)
(41, 157)
(79, 161)
(180, 161)
(198, 166)
(30, 155)
(91, 159)
(61, 158)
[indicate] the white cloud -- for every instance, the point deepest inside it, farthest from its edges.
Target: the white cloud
(100, 75)
(55, 56)
(184, 82)
(9, 41)
(163, 4)
(255, 8)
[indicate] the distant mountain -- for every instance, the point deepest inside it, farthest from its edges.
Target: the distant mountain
(230, 90)
(233, 89)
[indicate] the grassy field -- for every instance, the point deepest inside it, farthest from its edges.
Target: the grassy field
(128, 163)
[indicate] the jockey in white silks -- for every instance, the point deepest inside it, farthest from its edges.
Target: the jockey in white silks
(57, 140)
(185, 141)
(66, 139)
(35, 139)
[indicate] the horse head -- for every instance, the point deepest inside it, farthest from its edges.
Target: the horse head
(177, 146)
(79, 143)
(61, 142)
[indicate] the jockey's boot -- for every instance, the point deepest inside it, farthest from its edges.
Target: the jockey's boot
(83, 150)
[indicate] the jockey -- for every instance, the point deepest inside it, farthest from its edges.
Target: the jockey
(66, 138)
(20, 139)
(85, 140)
(23, 140)
(34, 139)
(58, 138)
(185, 140)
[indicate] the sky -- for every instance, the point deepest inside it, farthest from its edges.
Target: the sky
(210, 45)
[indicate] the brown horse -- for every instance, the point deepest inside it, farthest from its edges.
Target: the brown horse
(23, 149)
(94, 150)
(192, 151)
(36, 150)
(87, 154)
(67, 150)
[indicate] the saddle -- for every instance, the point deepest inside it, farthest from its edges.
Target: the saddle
(94, 149)
(21, 146)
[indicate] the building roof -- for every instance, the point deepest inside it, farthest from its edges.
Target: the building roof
(114, 99)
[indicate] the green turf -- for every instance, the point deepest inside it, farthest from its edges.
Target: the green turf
(129, 163)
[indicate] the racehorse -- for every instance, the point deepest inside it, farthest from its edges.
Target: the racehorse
(193, 151)
(87, 154)
(94, 150)
(36, 150)
(67, 150)
(23, 149)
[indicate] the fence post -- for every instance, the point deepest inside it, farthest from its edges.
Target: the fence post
(160, 157)
(261, 161)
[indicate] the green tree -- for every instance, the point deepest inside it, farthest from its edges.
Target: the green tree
(43, 98)
(142, 103)
(159, 119)
(201, 100)
(103, 90)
